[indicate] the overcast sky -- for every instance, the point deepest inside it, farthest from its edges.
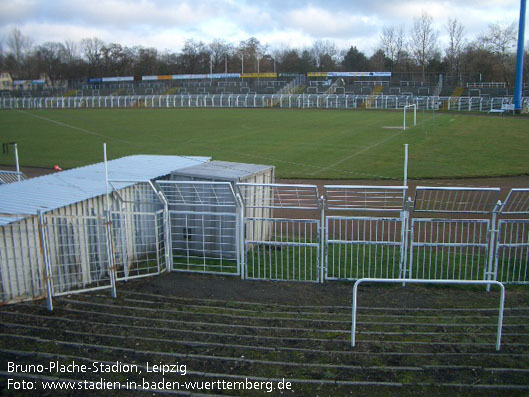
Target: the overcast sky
(166, 24)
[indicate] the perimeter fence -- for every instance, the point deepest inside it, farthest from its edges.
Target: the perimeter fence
(283, 232)
(297, 101)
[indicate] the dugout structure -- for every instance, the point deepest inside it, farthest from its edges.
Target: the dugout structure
(55, 234)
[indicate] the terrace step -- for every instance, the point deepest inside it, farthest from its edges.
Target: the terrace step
(400, 350)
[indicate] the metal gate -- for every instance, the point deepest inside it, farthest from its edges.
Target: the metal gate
(138, 230)
(204, 222)
(365, 246)
(360, 247)
(512, 251)
(78, 253)
(449, 249)
(277, 247)
(289, 251)
(512, 244)
(138, 244)
(452, 248)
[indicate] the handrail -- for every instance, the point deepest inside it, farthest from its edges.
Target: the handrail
(420, 281)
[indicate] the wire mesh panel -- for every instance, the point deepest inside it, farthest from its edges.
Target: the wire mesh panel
(290, 250)
(455, 200)
(204, 222)
(204, 242)
(517, 202)
(450, 249)
(279, 196)
(21, 261)
(78, 252)
(195, 194)
(359, 247)
(141, 196)
(138, 242)
(512, 251)
(365, 198)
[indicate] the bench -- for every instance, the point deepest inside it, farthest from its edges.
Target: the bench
(506, 107)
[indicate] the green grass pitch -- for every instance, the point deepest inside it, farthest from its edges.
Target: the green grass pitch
(312, 144)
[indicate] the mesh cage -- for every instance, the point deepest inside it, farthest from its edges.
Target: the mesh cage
(198, 194)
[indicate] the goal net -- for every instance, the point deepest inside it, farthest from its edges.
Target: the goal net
(410, 116)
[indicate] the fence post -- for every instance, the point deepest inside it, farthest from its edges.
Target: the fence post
(323, 242)
(167, 232)
(491, 271)
(46, 259)
(110, 254)
(240, 236)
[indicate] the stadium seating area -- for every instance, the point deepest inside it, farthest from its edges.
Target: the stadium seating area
(312, 85)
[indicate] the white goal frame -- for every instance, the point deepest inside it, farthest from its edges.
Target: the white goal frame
(414, 106)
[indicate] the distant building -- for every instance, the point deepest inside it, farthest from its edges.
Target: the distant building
(6, 82)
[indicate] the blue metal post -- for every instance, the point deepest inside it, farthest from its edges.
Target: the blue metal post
(519, 59)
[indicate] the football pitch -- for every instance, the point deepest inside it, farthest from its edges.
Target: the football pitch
(311, 144)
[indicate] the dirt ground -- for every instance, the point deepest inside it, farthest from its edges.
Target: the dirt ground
(230, 288)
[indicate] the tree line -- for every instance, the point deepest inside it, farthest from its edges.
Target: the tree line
(489, 57)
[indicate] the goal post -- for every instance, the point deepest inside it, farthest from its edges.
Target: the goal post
(414, 107)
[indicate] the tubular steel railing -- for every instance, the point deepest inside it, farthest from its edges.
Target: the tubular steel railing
(423, 281)
(269, 231)
(253, 100)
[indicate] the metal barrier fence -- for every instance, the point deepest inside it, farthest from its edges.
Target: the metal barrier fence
(281, 248)
(78, 254)
(138, 244)
(204, 226)
(365, 246)
(285, 100)
(425, 281)
(11, 176)
(270, 232)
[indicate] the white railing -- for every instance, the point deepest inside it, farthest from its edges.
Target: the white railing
(491, 84)
(252, 100)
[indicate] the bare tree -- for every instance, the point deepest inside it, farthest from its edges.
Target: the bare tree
(456, 43)
(70, 51)
(220, 51)
(500, 39)
(325, 54)
(423, 42)
(392, 43)
(250, 52)
(92, 50)
(19, 44)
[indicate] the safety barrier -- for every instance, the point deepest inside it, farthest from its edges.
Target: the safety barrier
(282, 232)
(252, 100)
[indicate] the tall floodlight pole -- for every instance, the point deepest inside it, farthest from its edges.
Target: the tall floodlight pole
(519, 59)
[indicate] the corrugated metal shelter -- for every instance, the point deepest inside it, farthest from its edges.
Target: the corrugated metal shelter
(74, 203)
